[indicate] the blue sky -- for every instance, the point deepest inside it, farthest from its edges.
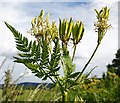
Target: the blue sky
(19, 15)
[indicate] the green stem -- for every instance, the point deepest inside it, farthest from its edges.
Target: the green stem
(64, 47)
(61, 88)
(74, 52)
(88, 62)
(47, 75)
(62, 92)
(63, 97)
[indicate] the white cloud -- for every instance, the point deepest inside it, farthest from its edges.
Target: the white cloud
(17, 18)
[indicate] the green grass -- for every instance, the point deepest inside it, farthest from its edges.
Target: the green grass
(34, 95)
(37, 95)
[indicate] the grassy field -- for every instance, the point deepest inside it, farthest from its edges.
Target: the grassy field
(34, 95)
(0, 93)
(89, 92)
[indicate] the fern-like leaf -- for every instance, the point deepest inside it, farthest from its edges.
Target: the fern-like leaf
(30, 51)
(35, 55)
(21, 42)
(55, 58)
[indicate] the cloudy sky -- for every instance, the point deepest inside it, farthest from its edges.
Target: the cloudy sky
(19, 15)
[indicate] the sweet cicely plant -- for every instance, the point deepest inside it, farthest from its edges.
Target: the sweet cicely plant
(49, 53)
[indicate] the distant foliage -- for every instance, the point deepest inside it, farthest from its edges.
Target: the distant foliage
(115, 66)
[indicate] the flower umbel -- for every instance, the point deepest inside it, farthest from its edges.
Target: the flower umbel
(43, 28)
(101, 26)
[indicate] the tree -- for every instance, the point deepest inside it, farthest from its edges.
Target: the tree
(115, 66)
